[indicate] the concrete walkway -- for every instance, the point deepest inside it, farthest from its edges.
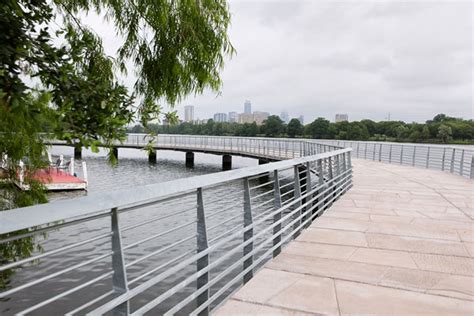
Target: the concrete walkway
(400, 242)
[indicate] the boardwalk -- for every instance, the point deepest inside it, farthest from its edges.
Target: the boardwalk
(399, 242)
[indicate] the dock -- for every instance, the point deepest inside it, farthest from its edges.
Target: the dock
(400, 242)
(56, 180)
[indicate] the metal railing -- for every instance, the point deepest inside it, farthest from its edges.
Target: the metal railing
(456, 160)
(259, 147)
(177, 247)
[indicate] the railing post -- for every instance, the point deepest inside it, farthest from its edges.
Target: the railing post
(414, 155)
(357, 150)
(349, 160)
(472, 167)
(319, 166)
(401, 155)
(365, 151)
(390, 154)
(428, 158)
(451, 169)
(298, 204)
(443, 159)
(277, 216)
(248, 234)
(309, 198)
(373, 154)
(380, 153)
(461, 167)
(202, 245)
(119, 278)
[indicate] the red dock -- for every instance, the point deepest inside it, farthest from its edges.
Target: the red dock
(56, 180)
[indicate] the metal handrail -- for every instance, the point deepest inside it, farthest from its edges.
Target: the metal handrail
(327, 176)
(456, 160)
(452, 159)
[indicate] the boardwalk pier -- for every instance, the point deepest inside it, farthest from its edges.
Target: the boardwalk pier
(400, 242)
(308, 233)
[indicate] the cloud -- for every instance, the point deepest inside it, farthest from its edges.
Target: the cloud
(318, 58)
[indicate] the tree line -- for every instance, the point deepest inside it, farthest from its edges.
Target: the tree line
(440, 129)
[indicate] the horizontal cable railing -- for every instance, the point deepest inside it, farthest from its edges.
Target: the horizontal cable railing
(456, 160)
(259, 147)
(177, 247)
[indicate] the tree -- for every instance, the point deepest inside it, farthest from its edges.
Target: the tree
(175, 47)
(295, 128)
(273, 126)
(63, 82)
(414, 136)
(358, 131)
(401, 132)
(444, 133)
(318, 128)
(425, 133)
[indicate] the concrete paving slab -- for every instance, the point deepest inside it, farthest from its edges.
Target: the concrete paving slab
(363, 299)
(399, 243)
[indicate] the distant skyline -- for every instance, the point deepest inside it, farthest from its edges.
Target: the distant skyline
(412, 59)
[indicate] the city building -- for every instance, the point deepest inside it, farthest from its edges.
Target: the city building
(285, 117)
(247, 107)
(199, 122)
(259, 117)
(342, 118)
(301, 119)
(245, 118)
(189, 113)
(233, 117)
(220, 117)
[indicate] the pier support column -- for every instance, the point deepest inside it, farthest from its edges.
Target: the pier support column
(77, 152)
(226, 162)
(115, 152)
(265, 178)
(152, 156)
(189, 159)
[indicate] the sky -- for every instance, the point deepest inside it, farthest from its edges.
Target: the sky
(370, 59)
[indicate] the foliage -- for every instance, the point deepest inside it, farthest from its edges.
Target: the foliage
(91, 107)
(318, 128)
(444, 133)
(462, 130)
(176, 47)
(273, 126)
(63, 83)
(295, 128)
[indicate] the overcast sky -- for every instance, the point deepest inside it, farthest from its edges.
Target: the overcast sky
(367, 59)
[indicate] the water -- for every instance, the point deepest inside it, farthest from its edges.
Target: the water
(133, 170)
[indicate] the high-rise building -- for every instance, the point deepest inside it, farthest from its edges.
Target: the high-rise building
(247, 107)
(233, 116)
(259, 117)
(342, 118)
(301, 119)
(189, 113)
(245, 118)
(220, 117)
(285, 117)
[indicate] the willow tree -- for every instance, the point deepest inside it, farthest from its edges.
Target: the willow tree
(62, 82)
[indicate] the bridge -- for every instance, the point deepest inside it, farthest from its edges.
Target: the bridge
(457, 160)
(291, 232)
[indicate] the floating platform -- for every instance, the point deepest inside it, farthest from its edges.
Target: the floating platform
(56, 180)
